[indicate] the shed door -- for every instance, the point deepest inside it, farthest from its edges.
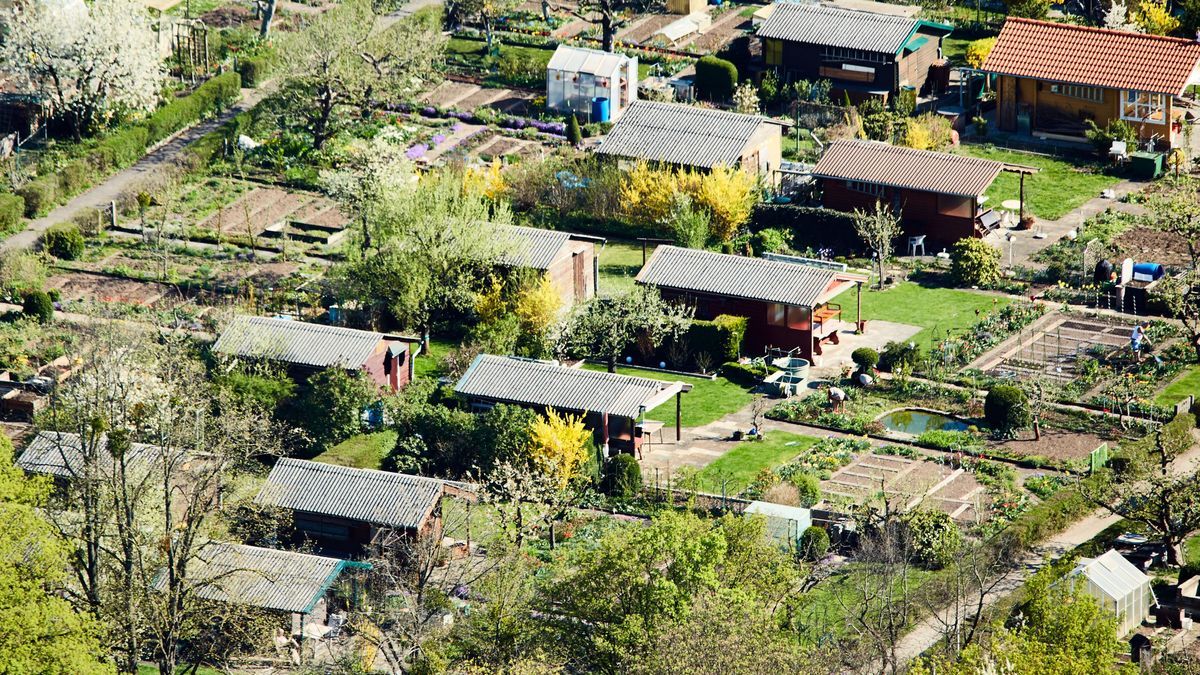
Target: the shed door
(578, 275)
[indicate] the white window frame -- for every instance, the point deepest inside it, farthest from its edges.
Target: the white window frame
(1145, 106)
(1082, 92)
(876, 189)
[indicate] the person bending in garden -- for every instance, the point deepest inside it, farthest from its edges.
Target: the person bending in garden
(1137, 340)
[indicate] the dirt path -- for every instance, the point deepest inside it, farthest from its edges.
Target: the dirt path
(102, 194)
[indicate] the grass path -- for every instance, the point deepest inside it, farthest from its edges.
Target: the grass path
(1188, 382)
(365, 451)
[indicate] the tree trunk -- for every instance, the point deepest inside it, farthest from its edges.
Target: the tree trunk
(612, 363)
(1174, 551)
(608, 23)
(268, 15)
(487, 34)
(1037, 430)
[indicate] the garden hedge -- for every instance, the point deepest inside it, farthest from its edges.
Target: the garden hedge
(40, 195)
(12, 209)
(39, 306)
(125, 146)
(810, 227)
(745, 374)
(63, 241)
(715, 78)
(254, 70)
(721, 338)
(216, 93)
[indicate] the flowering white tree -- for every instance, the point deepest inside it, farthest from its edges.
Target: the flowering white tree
(90, 62)
(1117, 17)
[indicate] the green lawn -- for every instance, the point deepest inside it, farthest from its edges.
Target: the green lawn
(738, 467)
(825, 609)
(1059, 187)
(708, 401)
(429, 362)
(955, 49)
(365, 451)
(934, 309)
(620, 261)
(1188, 382)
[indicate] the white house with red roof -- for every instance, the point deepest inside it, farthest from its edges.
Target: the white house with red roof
(1055, 76)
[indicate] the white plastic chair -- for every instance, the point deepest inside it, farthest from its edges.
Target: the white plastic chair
(916, 242)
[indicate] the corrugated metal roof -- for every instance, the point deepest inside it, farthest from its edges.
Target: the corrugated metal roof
(677, 133)
(836, 27)
(366, 495)
(306, 344)
(876, 162)
(583, 60)
(529, 382)
(1099, 57)
(736, 276)
(530, 246)
(261, 577)
(1113, 574)
(58, 453)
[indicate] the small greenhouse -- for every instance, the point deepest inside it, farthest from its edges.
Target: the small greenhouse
(785, 524)
(597, 86)
(1118, 586)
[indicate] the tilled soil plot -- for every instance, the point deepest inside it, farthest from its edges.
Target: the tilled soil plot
(1146, 244)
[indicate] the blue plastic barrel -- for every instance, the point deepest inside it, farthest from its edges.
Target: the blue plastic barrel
(1150, 271)
(600, 109)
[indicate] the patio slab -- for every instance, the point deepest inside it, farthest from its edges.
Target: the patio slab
(878, 334)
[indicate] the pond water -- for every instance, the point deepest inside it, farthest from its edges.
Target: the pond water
(917, 422)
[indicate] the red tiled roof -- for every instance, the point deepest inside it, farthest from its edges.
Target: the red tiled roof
(1093, 56)
(925, 170)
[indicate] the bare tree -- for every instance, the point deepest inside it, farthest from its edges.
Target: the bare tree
(877, 229)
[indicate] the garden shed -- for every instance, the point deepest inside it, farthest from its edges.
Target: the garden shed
(785, 523)
(1118, 586)
(568, 260)
(343, 508)
(595, 85)
(387, 360)
(613, 406)
(787, 302)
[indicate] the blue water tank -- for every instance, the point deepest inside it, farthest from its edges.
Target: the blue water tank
(600, 109)
(1147, 271)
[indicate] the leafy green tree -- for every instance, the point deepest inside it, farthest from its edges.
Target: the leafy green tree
(1151, 494)
(808, 487)
(574, 135)
(934, 537)
(606, 327)
(43, 633)
(689, 226)
(341, 60)
(974, 262)
(331, 406)
(504, 435)
(625, 476)
(426, 255)
(716, 78)
(637, 584)
(1028, 9)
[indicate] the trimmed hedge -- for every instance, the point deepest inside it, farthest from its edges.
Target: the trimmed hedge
(39, 306)
(255, 70)
(721, 337)
(125, 146)
(216, 93)
(745, 374)
(12, 209)
(810, 227)
(715, 78)
(64, 241)
(40, 195)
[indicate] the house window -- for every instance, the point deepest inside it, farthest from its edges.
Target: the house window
(1093, 94)
(799, 318)
(776, 314)
(1143, 106)
(774, 52)
(866, 188)
(845, 54)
